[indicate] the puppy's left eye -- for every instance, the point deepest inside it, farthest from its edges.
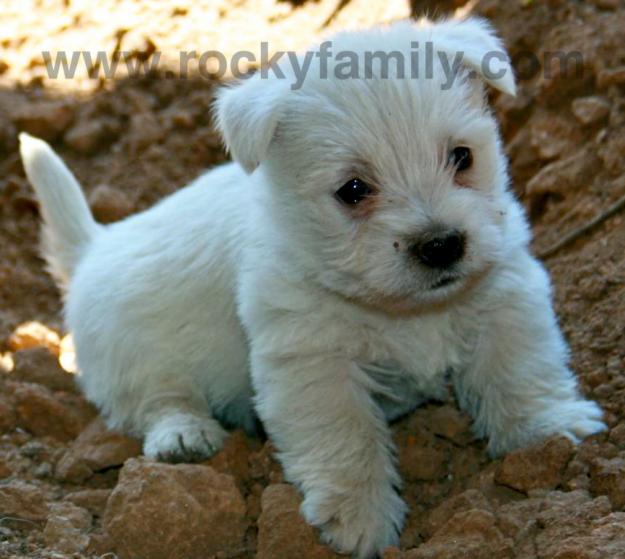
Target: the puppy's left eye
(353, 192)
(461, 158)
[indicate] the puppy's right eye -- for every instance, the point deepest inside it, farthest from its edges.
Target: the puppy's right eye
(461, 158)
(353, 192)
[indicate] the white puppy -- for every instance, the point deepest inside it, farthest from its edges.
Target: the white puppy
(374, 251)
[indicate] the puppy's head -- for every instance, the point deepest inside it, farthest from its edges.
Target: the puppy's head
(388, 188)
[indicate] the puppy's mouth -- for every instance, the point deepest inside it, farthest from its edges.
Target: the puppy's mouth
(445, 281)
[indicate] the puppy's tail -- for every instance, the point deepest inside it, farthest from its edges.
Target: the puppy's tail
(68, 225)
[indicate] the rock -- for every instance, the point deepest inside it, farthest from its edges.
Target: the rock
(553, 136)
(607, 477)
(38, 365)
(595, 447)
(564, 176)
(178, 117)
(465, 462)
(94, 500)
(590, 110)
(19, 499)
(6, 362)
(472, 534)
(598, 377)
(44, 413)
(282, 531)
(8, 415)
(484, 481)
(145, 130)
(233, 458)
(617, 435)
(603, 391)
(566, 521)
(166, 92)
(423, 462)
(517, 520)
(67, 357)
(576, 475)
(34, 334)
(608, 534)
(67, 528)
(611, 152)
(607, 4)
(35, 449)
(45, 119)
(109, 204)
(94, 450)
(263, 465)
(611, 76)
(541, 466)
(88, 136)
(5, 469)
(84, 137)
(43, 470)
(211, 139)
(131, 101)
(253, 500)
(72, 469)
(448, 422)
(189, 511)
(100, 546)
(523, 161)
(8, 135)
(468, 500)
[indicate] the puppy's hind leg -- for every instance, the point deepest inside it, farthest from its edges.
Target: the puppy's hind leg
(172, 414)
(139, 395)
(176, 434)
(177, 422)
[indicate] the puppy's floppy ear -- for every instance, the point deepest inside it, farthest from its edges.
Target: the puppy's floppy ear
(482, 50)
(247, 114)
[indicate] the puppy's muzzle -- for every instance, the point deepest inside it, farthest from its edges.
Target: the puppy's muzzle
(440, 250)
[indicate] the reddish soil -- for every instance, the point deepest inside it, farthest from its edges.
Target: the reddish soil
(68, 488)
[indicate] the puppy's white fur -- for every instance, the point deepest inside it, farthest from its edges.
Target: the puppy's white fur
(267, 281)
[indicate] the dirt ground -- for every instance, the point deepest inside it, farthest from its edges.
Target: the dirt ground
(68, 488)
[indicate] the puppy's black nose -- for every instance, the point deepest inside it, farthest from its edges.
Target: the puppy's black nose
(440, 250)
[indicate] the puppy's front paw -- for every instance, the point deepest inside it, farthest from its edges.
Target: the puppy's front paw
(575, 419)
(362, 523)
(183, 437)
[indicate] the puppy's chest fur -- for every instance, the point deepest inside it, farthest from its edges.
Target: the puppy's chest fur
(411, 360)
